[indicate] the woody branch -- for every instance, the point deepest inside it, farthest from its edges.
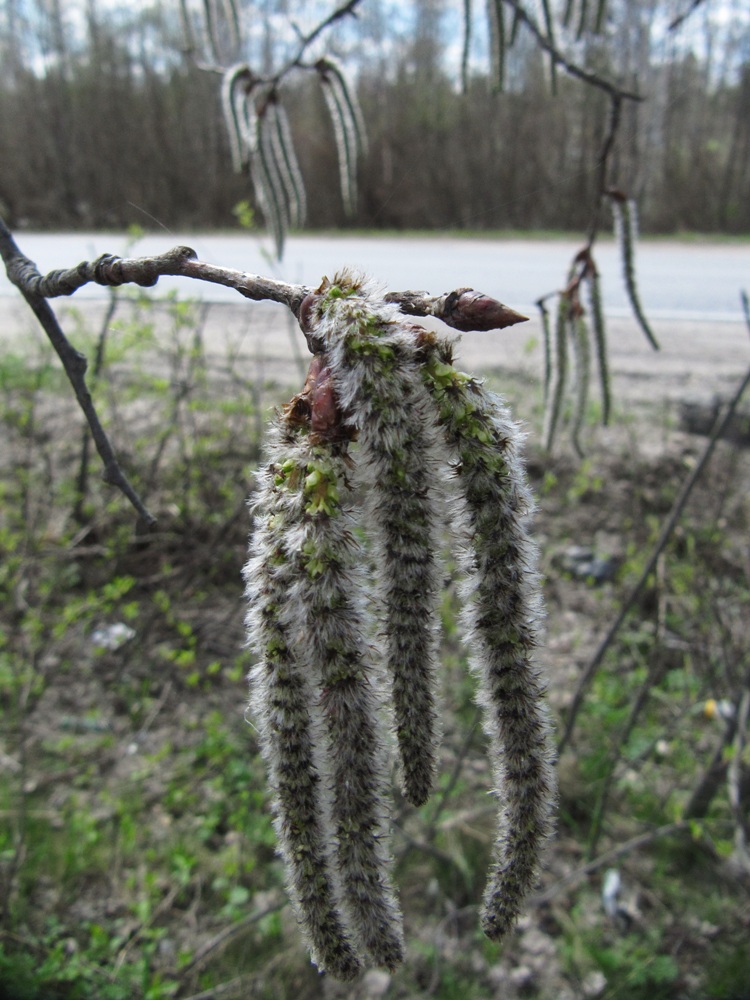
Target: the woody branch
(463, 309)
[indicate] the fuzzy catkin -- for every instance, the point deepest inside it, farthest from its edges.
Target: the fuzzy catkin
(373, 359)
(501, 616)
(317, 602)
(393, 389)
(593, 284)
(558, 373)
(625, 212)
(281, 698)
(328, 613)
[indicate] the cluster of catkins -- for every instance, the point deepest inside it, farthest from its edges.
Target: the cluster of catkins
(362, 463)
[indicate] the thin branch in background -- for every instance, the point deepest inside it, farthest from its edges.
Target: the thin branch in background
(233, 989)
(613, 125)
(183, 388)
(458, 763)
(681, 18)
(655, 674)
(705, 791)
(466, 49)
(498, 42)
(720, 425)
(345, 10)
(574, 877)
(82, 479)
(573, 69)
(734, 773)
(549, 25)
(75, 365)
(601, 10)
(219, 942)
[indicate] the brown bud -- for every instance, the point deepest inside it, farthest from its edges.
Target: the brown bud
(467, 310)
(326, 416)
(305, 312)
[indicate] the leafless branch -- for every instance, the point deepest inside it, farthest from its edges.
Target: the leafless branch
(669, 525)
(463, 309)
(603, 165)
(574, 877)
(573, 69)
(295, 62)
(681, 18)
(734, 773)
(82, 478)
(228, 934)
(75, 365)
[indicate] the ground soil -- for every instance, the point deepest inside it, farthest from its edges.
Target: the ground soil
(628, 465)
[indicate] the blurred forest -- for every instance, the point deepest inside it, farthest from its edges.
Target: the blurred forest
(105, 120)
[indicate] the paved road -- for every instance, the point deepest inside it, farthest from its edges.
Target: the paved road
(680, 281)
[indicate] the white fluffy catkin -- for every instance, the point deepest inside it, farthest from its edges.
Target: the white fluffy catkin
(281, 699)
(393, 388)
(321, 611)
(501, 616)
(373, 358)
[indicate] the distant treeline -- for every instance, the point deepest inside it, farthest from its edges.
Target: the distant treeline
(113, 132)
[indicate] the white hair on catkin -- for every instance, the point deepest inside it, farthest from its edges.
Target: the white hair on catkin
(377, 377)
(502, 615)
(281, 696)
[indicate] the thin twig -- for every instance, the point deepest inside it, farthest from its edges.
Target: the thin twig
(655, 674)
(734, 772)
(463, 309)
(681, 18)
(720, 426)
(603, 163)
(226, 936)
(458, 764)
(641, 840)
(236, 987)
(706, 789)
(136, 935)
(75, 365)
(295, 62)
(82, 479)
(573, 69)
